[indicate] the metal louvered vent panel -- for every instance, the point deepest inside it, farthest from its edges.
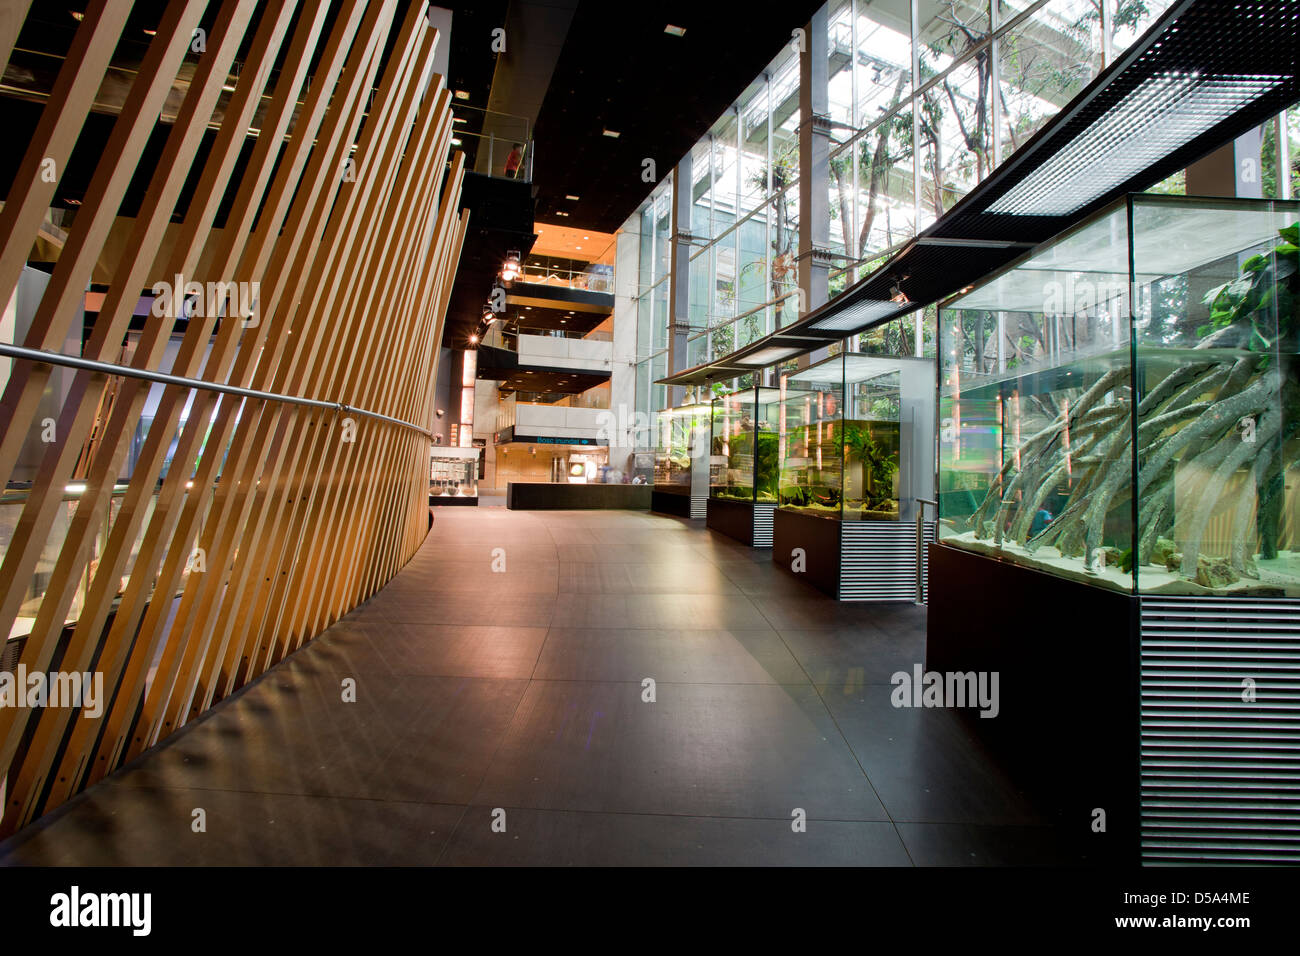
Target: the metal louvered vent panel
(699, 506)
(764, 519)
(878, 560)
(1220, 725)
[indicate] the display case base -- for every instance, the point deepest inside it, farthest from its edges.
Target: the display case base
(550, 496)
(440, 501)
(1066, 656)
(749, 522)
(669, 500)
(850, 560)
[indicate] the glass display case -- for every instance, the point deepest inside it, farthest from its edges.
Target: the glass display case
(1120, 407)
(681, 460)
(453, 475)
(744, 465)
(743, 445)
(855, 437)
(856, 452)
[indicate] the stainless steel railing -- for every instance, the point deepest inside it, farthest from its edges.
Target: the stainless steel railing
(920, 545)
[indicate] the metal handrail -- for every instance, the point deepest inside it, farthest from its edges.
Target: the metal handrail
(165, 378)
(920, 544)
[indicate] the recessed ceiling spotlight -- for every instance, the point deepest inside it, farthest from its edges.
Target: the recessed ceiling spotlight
(561, 213)
(586, 237)
(455, 141)
(611, 133)
(675, 30)
(148, 32)
(571, 198)
(579, 248)
(77, 15)
(459, 119)
(462, 95)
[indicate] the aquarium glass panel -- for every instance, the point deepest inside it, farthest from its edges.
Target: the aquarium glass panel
(1218, 386)
(743, 445)
(1036, 410)
(888, 436)
(681, 437)
(811, 416)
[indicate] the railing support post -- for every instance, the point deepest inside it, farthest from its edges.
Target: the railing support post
(920, 546)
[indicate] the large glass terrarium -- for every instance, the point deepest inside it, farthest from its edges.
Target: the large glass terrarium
(681, 457)
(1121, 406)
(743, 446)
(856, 437)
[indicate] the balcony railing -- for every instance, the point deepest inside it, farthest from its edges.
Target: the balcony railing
(494, 156)
(585, 281)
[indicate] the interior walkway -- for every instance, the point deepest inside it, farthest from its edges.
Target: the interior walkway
(522, 690)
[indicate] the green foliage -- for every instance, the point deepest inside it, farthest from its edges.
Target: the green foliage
(1262, 297)
(766, 466)
(879, 464)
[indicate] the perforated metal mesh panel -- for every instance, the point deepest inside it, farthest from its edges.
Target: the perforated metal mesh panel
(1220, 771)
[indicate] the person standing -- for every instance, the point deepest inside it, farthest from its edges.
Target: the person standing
(513, 160)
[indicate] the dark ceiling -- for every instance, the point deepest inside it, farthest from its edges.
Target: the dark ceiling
(617, 69)
(620, 71)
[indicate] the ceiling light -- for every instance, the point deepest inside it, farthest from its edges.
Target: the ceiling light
(510, 270)
(858, 315)
(459, 119)
(577, 247)
(473, 340)
(77, 15)
(611, 133)
(675, 30)
(455, 141)
(228, 87)
(1162, 114)
(148, 32)
(768, 355)
(462, 95)
(572, 198)
(561, 213)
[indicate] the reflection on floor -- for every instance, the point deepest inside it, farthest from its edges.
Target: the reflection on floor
(500, 718)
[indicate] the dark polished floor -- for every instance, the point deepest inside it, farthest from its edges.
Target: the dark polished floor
(517, 695)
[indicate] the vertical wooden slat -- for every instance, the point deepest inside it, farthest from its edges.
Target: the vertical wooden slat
(265, 488)
(194, 233)
(175, 517)
(63, 297)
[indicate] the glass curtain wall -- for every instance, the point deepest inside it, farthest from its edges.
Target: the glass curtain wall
(925, 98)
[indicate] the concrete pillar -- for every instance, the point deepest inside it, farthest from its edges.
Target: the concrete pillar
(814, 168)
(679, 280)
(1234, 169)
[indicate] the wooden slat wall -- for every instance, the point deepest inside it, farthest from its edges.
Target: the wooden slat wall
(247, 525)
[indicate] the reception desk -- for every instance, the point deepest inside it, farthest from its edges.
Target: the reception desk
(552, 496)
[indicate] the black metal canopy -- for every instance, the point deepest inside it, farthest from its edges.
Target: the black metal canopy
(1203, 74)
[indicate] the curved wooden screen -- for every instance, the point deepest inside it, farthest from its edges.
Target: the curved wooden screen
(167, 537)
